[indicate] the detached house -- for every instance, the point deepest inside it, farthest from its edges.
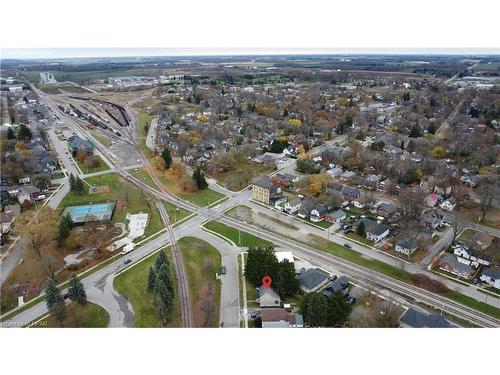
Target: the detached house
(293, 207)
(450, 263)
(268, 297)
(312, 280)
(406, 246)
(374, 231)
(350, 194)
(77, 144)
(318, 213)
(491, 276)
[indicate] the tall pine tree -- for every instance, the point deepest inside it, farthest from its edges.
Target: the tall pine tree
(52, 294)
(65, 226)
(77, 291)
(199, 178)
(167, 157)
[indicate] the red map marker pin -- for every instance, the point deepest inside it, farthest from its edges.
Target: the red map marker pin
(266, 281)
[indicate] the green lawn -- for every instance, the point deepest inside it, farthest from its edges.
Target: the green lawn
(143, 118)
(471, 302)
(467, 235)
(86, 170)
(87, 316)
(132, 285)
(175, 213)
(247, 239)
(323, 224)
(202, 262)
(129, 198)
(357, 237)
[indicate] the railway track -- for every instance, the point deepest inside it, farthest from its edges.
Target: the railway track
(358, 272)
(180, 271)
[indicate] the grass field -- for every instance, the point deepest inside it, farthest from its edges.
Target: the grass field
(86, 170)
(128, 198)
(144, 118)
(202, 262)
(132, 285)
(34, 76)
(247, 240)
(242, 175)
(200, 198)
(78, 316)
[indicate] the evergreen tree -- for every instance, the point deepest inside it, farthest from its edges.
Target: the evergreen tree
(65, 226)
(199, 178)
(76, 291)
(285, 112)
(338, 310)
(24, 133)
(286, 283)
(415, 132)
(151, 280)
(261, 262)
(162, 301)
(314, 308)
(11, 134)
(78, 185)
(164, 277)
(52, 294)
(360, 229)
(165, 154)
(72, 182)
(161, 259)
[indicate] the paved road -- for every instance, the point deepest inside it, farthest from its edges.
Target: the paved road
(152, 134)
(441, 244)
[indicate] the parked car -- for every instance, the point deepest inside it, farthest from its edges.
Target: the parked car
(348, 245)
(127, 261)
(223, 270)
(351, 300)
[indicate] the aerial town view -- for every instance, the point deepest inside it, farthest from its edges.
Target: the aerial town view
(159, 192)
(176, 178)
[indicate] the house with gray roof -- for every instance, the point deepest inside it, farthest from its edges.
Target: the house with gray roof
(416, 319)
(312, 280)
(374, 231)
(491, 276)
(450, 263)
(340, 284)
(268, 297)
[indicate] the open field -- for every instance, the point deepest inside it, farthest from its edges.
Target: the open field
(132, 285)
(202, 262)
(87, 316)
(34, 76)
(242, 175)
(201, 198)
(239, 238)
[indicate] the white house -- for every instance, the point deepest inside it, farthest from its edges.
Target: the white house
(268, 297)
(406, 246)
(491, 276)
(293, 206)
(448, 205)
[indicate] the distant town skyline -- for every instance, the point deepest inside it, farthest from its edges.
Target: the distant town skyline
(58, 53)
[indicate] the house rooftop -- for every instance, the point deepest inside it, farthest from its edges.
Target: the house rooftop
(312, 278)
(416, 319)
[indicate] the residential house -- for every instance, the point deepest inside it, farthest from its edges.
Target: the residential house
(268, 297)
(431, 219)
(406, 245)
(340, 284)
(347, 176)
(284, 181)
(306, 207)
(350, 194)
(7, 221)
(318, 213)
(281, 318)
(387, 210)
(374, 231)
(292, 207)
(335, 216)
(362, 202)
(416, 319)
(491, 276)
(473, 256)
(312, 280)
(451, 263)
(449, 204)
(263, 190)
(28, 193)
(24, 180)
(334, 172)
(432, 199)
